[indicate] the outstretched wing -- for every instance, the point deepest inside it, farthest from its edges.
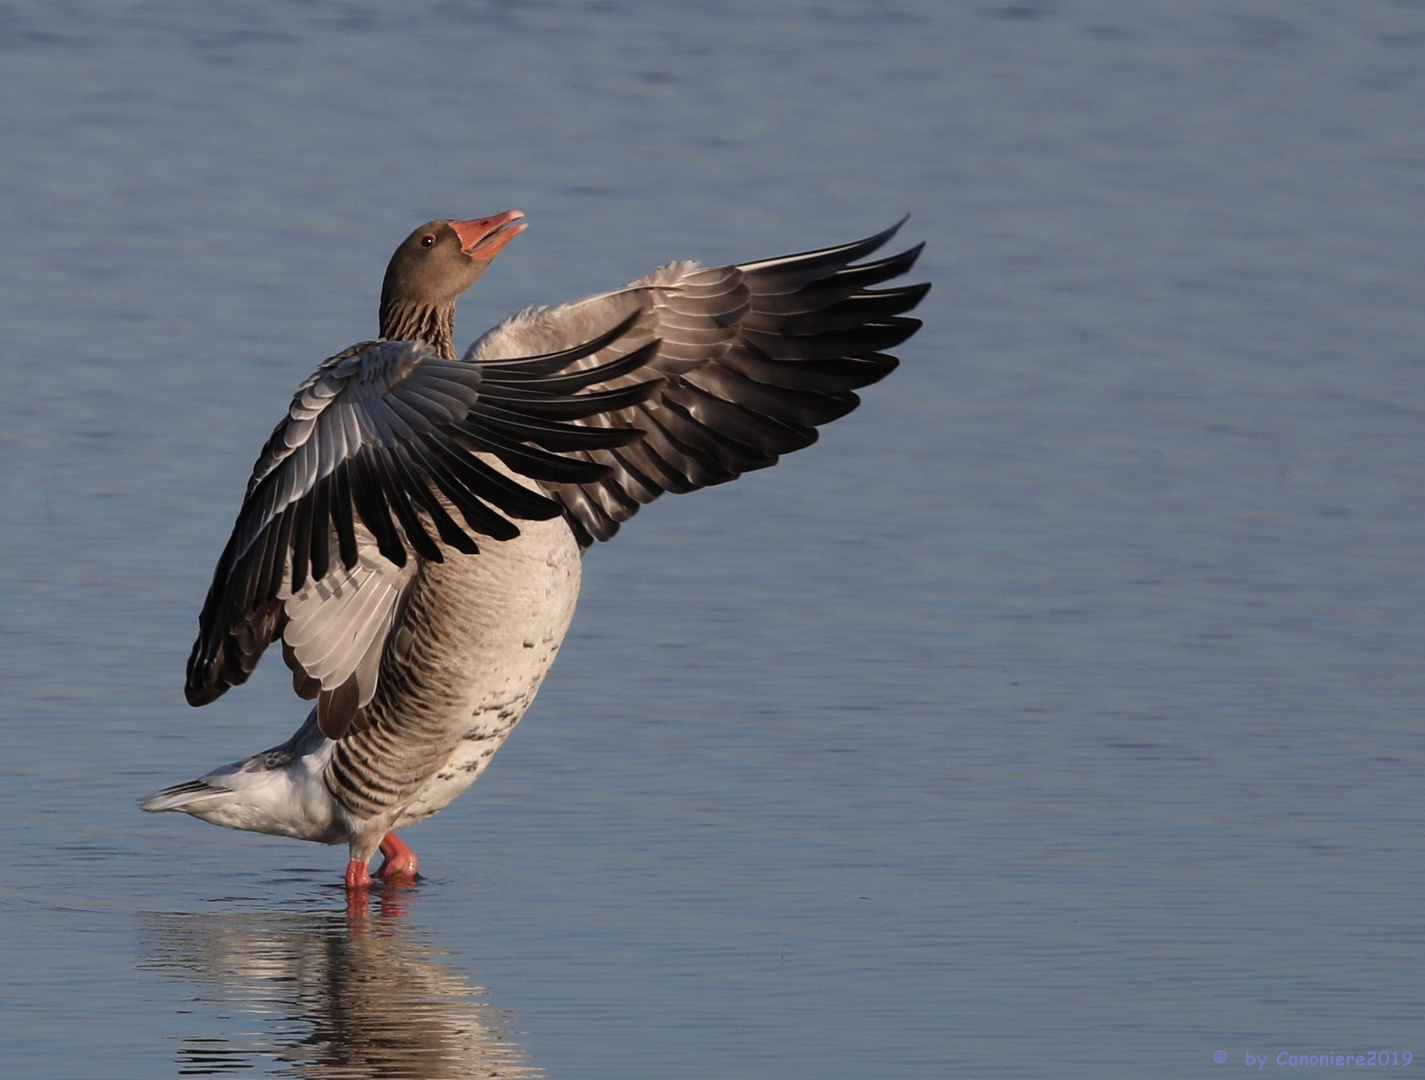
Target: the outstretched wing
(753, 357)
(386, 443)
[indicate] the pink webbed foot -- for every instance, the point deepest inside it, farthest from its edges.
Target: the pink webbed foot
(399, 864)
(357, 876)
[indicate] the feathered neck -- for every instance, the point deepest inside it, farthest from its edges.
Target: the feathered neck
(433, 324)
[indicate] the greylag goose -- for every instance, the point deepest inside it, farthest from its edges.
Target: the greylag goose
(413, 529)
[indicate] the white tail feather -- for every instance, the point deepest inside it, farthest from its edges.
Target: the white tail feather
(279, 791)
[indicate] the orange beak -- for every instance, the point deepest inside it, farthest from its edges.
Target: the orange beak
(484, 238)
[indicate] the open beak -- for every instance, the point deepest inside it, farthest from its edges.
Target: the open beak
(483, 238)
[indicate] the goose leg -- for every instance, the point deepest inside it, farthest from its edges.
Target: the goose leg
(400, 862)
(357, 876)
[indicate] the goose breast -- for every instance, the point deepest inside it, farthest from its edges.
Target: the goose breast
(475, 641)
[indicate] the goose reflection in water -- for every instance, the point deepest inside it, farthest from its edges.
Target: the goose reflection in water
(362, 995)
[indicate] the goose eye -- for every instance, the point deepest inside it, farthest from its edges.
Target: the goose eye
(427, 240)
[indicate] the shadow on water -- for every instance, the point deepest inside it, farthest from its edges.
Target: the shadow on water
(324, 995)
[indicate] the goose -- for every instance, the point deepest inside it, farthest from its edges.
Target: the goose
(413, 530)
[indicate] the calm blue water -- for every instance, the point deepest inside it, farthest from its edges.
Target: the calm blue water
(1057, 715)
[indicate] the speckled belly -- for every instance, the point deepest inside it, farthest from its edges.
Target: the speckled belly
(476, 640)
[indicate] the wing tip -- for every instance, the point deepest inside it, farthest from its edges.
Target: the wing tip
(844, 253)
(203, 692)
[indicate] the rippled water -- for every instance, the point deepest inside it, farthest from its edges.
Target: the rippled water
(326, 995)
(1058, 714)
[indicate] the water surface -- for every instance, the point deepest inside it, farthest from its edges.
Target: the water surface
(1058, 714)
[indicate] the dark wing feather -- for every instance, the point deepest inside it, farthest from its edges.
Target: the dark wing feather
(375, 448)
(755, 358)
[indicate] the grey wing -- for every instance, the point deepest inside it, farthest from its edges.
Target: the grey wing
(336, 628)
(384, 445)
(754, 358)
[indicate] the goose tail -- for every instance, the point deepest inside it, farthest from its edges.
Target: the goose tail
(279, 791)
(194, 795)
